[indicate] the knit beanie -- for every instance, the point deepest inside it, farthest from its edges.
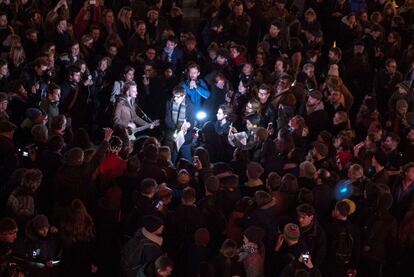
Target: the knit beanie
(291, 231)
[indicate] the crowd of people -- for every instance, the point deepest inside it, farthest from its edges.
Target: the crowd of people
(265, 138)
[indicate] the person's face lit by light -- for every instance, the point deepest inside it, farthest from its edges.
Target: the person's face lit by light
(193, 73)
(220, 115)
(263, 95)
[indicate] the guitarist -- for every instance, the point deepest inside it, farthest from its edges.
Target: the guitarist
(125, 115)
(180, 115)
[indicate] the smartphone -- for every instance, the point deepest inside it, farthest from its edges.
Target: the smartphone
(196, 159)
(305, 257)
(56, 262)
(159, 204)
(89, 77)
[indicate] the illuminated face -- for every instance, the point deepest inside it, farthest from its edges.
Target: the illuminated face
(274, 31)
(304, 220)
(335, 96)
(263, 95)
(410, 173)
(75, 50)
(171, 45)
(4, 70)
(76, 77)
(55, 96)
(220, 115)
(133, 92)
(392, 67)
(3, 105)
(43, 232)
(141, 29)
(10, 237)
(129, 76)
(193, 73)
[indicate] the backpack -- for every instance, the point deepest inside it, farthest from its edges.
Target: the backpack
(343, 246)
(131, 256)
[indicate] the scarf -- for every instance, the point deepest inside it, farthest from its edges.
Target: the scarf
(178, 113)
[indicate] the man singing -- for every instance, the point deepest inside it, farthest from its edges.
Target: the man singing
(125, 115)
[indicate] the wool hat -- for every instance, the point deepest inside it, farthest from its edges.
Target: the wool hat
(291, 231)
(201, 237)
(381, 158)
(152, 223)
(7, 224)
(33, 113)
(405, 85)
(352, 206)
(321, 148)
(40, 221)
(7, 126)
(316, 94)
(183, 171)
(254, 234)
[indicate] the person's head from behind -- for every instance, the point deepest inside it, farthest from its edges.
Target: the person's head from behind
(149, 187)
(289, 184)
(164, 266)
(189, 196)
(273, 181)
(254, 171)
(305, 215)
(164, 153)
(230, 182)
(341, 210)
(212, 185)
(355, 172)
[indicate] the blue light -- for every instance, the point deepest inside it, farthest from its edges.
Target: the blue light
(343, 190)
(201, 115)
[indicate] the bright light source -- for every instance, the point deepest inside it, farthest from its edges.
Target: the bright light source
(201, 115)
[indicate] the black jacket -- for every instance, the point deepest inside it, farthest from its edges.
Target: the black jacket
(314, 237)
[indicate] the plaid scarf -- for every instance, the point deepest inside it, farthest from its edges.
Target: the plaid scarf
(178, 113)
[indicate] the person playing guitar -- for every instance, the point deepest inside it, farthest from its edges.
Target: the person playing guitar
(125, 115)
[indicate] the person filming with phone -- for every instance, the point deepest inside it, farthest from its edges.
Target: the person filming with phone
(291, 254)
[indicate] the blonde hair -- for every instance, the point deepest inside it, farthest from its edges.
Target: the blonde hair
(122, 17)
(17, 54)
